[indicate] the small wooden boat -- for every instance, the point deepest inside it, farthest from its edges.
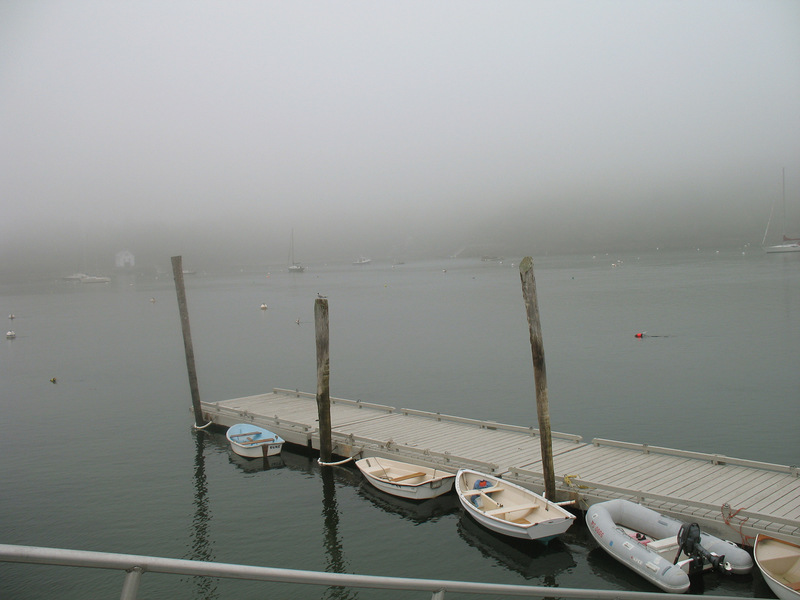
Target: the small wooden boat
(405, 480)
(661, 549)
(510, 509)
(779, 563)
(252, 441)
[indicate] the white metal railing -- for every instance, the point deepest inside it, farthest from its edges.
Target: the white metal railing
(135, 566)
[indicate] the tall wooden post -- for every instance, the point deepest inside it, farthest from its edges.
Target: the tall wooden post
(177, 271)
(323, 379)
(539, 374)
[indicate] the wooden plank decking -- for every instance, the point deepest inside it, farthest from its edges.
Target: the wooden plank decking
(730, 497)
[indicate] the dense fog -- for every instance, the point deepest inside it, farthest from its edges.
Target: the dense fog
(396, 131)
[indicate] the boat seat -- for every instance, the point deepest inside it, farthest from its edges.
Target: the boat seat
(404, 477)
(488, 490)
(512, 508)
(248, 433)
(663, 544)
(792, 576)
(251, 442)
(785, 569)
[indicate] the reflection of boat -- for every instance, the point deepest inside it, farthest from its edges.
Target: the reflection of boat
(254, 466)
(412, 510)
(779, 563)
(362, 260)
(510, 509)
(405, 480)
(252, 441)
(531, 560)
(789, 244)
(650, 544)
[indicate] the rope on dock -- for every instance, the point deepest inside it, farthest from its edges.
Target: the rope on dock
(334, 464)
(199, 427)
(728, 513)
(568, 481)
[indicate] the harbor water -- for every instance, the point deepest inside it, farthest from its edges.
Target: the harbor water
(99, 453)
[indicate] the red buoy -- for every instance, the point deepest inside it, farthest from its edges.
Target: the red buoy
(639, 335)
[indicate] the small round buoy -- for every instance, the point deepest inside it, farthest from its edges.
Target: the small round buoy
(639, 335)
(263, 307)
(53, 380)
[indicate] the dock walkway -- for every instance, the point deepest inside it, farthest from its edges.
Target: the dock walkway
(729, 497)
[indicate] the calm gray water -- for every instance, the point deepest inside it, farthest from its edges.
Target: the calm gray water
(106, 459)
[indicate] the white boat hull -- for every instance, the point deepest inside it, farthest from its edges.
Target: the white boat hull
(782, 248)
(613, 525)
(510, 509)
(251, 441)
(779, 563)
(405, 480)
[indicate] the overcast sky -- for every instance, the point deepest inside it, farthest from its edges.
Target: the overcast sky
(389, 127)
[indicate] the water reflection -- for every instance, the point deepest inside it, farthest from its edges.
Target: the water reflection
(202, 547)
(413, 510)
(336, 562)
(532, 560)
(254, 465)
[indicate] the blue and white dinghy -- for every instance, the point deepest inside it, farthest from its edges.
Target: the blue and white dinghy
(252, 441)
(661, 549)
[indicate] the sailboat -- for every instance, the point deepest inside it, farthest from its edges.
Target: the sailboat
(294, 267)
(789, 244)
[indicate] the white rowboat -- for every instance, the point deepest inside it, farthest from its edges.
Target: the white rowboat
(510, 509)
(252, 441)
(779, 563)
(405, 480)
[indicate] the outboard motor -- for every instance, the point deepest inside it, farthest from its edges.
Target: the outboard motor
(689, 544)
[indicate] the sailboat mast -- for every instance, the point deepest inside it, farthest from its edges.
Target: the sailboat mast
(783, 221)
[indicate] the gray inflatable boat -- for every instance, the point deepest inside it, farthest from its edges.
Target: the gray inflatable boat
(649, 543)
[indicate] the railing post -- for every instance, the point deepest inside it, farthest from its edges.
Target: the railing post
(130, 589)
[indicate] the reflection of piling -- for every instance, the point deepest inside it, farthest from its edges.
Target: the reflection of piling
(539, 373)
(177, 271)
(323, 379)
(202, 546)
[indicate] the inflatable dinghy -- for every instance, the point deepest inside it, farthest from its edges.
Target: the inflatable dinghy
(661, 549)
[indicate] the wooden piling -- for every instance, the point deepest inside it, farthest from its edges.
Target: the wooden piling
(323, 379)
(539, 373)
(177, 271)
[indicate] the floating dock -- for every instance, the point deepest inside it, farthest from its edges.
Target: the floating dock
(729, 497)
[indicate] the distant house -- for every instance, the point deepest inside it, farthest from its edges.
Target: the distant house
(124, 259)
